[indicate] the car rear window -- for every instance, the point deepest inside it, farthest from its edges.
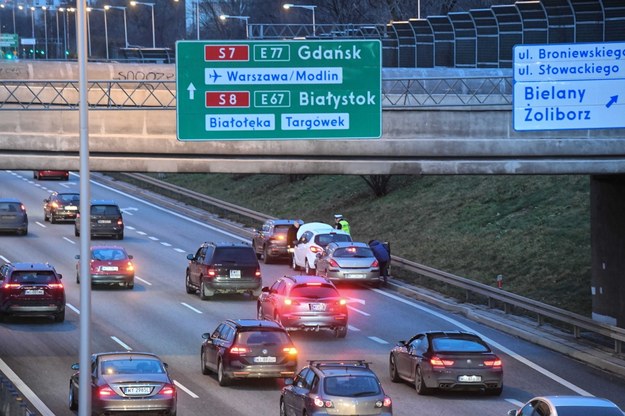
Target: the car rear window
(458, 345)
(10, 207)
(243, 255)
(352, 386)
(314, 291)
(281, 229)
(69, 198)
(33, 277)
(104, 210)
(353, 252)
(263, 337)
(323, 240)
(132, 366)
(588, 411)
(108, 254)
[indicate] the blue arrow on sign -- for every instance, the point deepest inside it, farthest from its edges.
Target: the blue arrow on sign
(612, 101)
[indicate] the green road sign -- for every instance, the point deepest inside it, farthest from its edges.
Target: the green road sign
(277, 90)
(8, 40)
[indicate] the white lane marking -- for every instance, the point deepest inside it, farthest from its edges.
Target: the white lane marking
(358, 310)
(190, 307)
(493, 343)
(153, 238)
(356, 300)
(179, 250)
(143, 280)
(25, 390)
(120, 342)
(186, 390)
(353, 328)
(72, 307)
(64, 185)
(4, 259)
(515, 402)
(165, 244)
(378, 340)
(130, 227)
(40, 224)
(141, 233)
(69, 240)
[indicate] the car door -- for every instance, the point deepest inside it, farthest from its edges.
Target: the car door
(299, 254)
(295, 398)
(270, 299)
(212, 345)
(406, 359)
(260, 237)
(195, 266)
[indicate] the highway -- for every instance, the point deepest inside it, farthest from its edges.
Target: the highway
(158, 316)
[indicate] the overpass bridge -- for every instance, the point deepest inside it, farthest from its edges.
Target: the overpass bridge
(435, 122)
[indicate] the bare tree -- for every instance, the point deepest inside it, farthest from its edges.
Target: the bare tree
(378, 183)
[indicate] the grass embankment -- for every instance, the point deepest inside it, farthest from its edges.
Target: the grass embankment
(533, 230)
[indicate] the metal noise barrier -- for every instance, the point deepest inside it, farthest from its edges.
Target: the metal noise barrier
(11, 401)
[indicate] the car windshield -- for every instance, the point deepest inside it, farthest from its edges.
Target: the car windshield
(314, 291)
(67, 198)
(353, 252)
(445, 344)
(234, 255)
(323, 240)
(263, 337)
(351, 386)
(107, 254)
(588, 411)
(132, 366)
(33, 277)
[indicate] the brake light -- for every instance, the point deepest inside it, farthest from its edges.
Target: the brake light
(316, 249)
(333, 263)
(313, 284)
(375, 264)
(438, 362)
(11, 286)
(55, 285)
(288, 301)
(120, 221)
(257, 273)
(168, 390)
(278, 237)
(343, 302)
(238, 350)
(290, 350)
(493, 363)
(22, 207)
(211, 272)
(322, 403)
(106, 391)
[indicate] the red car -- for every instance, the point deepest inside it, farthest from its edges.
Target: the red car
(109, 265)
(57, 174)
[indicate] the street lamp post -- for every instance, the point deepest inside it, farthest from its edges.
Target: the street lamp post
(288, 6)
(134, 3)
(224, 17)
(89, 31)
(45, 28)
(125, 22)
(32, 22)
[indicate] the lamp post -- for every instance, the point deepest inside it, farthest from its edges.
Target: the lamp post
(288, 6)
(45, 28)
(89, 31)
(58, 34)
(32, 22)
(134, 3)
(224, 17)
(125, 23)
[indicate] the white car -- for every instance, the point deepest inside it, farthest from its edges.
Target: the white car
(312, 241)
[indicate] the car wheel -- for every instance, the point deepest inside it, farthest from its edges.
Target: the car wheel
(187, 281)
(59, 317)
(22, 232)
(73, 404)
(309, 270)
(222, 378)
(266, 256)
(294, 264)
(419, 383)
(259, 313)
(52, 219)
(282, 408)
(495, 392)
(45, 217)
(130, 285)
(392, 367)
(205, 369)
(340, 332)
(120, 236)
(204, 291)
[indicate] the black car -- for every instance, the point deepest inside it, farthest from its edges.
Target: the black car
(106, 220)
(447, 360)
(270, 241)
(61, 206)
(248, 348)
(13, 217)
(126, 383)
(31, 289)
(335, 387)
(223, 268)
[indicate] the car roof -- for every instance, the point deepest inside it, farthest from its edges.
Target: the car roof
(341, 367)
(226, 244)
(10, 200)
(31, 266)
(124, 354)
(313, 226)
(349, 244)
(282, 221)
(107, 247)
(577, 401)
(103, 202)
(254, 323)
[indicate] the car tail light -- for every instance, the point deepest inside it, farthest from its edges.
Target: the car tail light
(257, 273)
(333, 263)
(438, 362)
(22, 207)
(10, 286)
(77, 215)
(235, 349)
(313, 284)
(322, 403)
(120, 221)
(289, 302)
(57, 286)
(211, 272)
(343, 302)
(387, 402)
(278, 237)
(316, 249)
(106, 391)
(375, 264)
(168, 390)
(290, 350)
(493, 363)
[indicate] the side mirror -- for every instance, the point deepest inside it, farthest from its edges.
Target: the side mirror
(265, 289)
(206, 335)
(60, 275)
(288, 381)
(191, 257)
(75, 366)
(512, 412)
(130, 257)
(46, 200)
(77, 256)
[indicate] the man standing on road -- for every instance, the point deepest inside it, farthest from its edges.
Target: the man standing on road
(291, 234)
(383, 257)
(341, 223)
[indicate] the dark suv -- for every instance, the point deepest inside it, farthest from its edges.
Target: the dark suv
(270, 241)
(248, 348)
(106, 220)
(345, 387)
(33, 289)
(61, 206)
(304, 303)
(13, 216)
(223, 268)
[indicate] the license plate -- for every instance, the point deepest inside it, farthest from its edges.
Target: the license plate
(235, 274)
(33, 292)
(71, 208)
(109, 268)
(137, 390)
(356, 276)
(264, 359)
(470, 379)
(104, 221)
(317, 306)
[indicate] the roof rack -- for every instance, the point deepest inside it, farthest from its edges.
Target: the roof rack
(339, 363)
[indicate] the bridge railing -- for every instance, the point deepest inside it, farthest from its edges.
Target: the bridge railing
(397, 94)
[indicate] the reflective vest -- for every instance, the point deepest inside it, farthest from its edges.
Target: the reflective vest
(344, 225)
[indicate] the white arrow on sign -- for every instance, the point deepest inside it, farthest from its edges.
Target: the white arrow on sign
(191, 89)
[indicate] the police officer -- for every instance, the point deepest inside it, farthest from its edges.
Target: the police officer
(341, 223)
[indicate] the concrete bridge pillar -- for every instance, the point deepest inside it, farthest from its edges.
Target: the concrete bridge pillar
(607, 217)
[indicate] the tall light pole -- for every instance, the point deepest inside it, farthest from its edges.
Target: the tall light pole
(13, 9)
(288, 6)
(58, 37)
(197, 18)
(89, 31)
(134, 3)
(125, 22)
(32, 21)
(45, 28)
(224, 17)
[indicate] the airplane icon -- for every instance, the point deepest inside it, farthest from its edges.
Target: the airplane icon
(214, 75)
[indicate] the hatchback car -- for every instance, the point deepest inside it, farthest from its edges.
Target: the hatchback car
(270, 241)
(349, 262)
(223, 268)
(106, 220)
(109, 265)
(31, 289)
(447, 360)
(13, 216)
(56, 174)
(308, 303)
(61, 206)
(339, 387)
(568, 406)
(248, 348)
(312, 242)
(128, 383)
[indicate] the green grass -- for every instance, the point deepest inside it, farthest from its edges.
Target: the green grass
(533, 230)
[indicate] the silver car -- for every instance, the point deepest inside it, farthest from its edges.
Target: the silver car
(568, 405)
(13, 217)
(349, 262)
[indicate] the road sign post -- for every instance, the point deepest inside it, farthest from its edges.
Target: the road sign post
(278, 90)
(569, 86)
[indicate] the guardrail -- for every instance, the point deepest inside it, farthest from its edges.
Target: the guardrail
(541, 310)
(12, 402)
(397, 94)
